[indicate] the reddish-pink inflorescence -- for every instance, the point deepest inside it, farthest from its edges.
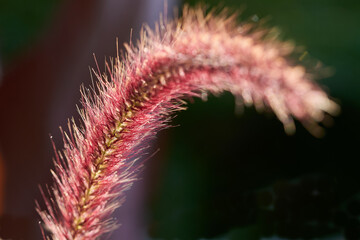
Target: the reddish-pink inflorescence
(188, 57)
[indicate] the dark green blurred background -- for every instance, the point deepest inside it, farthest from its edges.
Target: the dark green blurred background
(229, 176)
(21, 23)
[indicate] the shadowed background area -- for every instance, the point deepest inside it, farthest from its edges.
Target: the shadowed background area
(220, 175)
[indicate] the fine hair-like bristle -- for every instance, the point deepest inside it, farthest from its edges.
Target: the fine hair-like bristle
(187, 57)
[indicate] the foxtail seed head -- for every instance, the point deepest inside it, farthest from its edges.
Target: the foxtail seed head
(195, 54)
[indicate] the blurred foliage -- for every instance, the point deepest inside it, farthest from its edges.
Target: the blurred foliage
(21, 22)
(229, 175)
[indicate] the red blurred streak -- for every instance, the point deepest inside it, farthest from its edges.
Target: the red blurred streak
(27, 87)
(2, 185)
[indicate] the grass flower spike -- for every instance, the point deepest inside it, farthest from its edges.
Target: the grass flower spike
(191, 56)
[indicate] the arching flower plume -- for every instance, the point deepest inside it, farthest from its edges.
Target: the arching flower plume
(196, 54)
